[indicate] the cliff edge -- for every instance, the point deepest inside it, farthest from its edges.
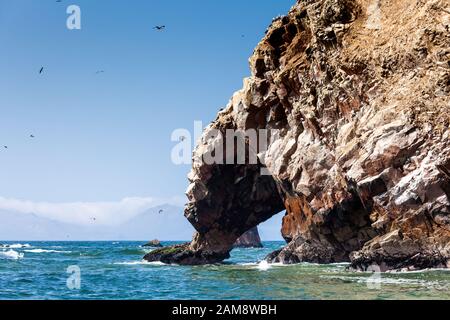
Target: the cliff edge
(355, 97)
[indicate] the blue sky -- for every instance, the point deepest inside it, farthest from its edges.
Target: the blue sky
(106, 137)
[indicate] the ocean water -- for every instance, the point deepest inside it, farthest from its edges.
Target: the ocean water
(115, 270)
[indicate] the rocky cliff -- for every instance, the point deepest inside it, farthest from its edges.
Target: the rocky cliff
(355, 95)
(250, 239)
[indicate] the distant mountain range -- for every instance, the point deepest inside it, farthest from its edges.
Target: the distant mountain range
(163, 222)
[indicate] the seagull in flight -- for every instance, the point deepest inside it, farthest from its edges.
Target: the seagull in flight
(160, 211)
(32, 136)
(159, 28)
(42, 70)
(100, 71)
(6, 147)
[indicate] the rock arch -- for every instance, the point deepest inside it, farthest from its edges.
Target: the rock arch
(360, 156)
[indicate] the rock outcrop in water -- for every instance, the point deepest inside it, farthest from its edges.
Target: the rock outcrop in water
(154, 243)
(250, 239)
(358, 93)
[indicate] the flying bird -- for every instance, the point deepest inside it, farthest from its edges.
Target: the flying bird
(159, 28)
(6, 147)
(31, 136)
(42, 70)
(100, 71)
(160, 211)
(182, 138)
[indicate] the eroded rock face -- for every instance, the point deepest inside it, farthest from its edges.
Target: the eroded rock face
(184, 255)
(250, 239)
(358, 92)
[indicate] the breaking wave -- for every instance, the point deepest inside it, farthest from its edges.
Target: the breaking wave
(46, 251)
(16, 246)
(11, 254)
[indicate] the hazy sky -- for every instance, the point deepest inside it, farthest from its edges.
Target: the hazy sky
(106, 137)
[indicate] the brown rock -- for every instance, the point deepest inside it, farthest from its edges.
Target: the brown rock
(250, 239)
(154, 243)
(361, 161)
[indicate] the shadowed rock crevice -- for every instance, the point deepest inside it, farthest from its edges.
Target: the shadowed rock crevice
(239, 198)
(327, 236)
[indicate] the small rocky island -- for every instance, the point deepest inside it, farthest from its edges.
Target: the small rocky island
(250, 239)
(154, 244)
(359, 92)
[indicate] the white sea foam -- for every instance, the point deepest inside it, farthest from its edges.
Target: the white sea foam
(141, 262)
(418, 271)
(46, 251)
(390, 281)
(11, 254)
(264, 263)
(17, 246)
(264, 266)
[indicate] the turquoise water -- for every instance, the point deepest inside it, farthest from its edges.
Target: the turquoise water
(115, 270)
